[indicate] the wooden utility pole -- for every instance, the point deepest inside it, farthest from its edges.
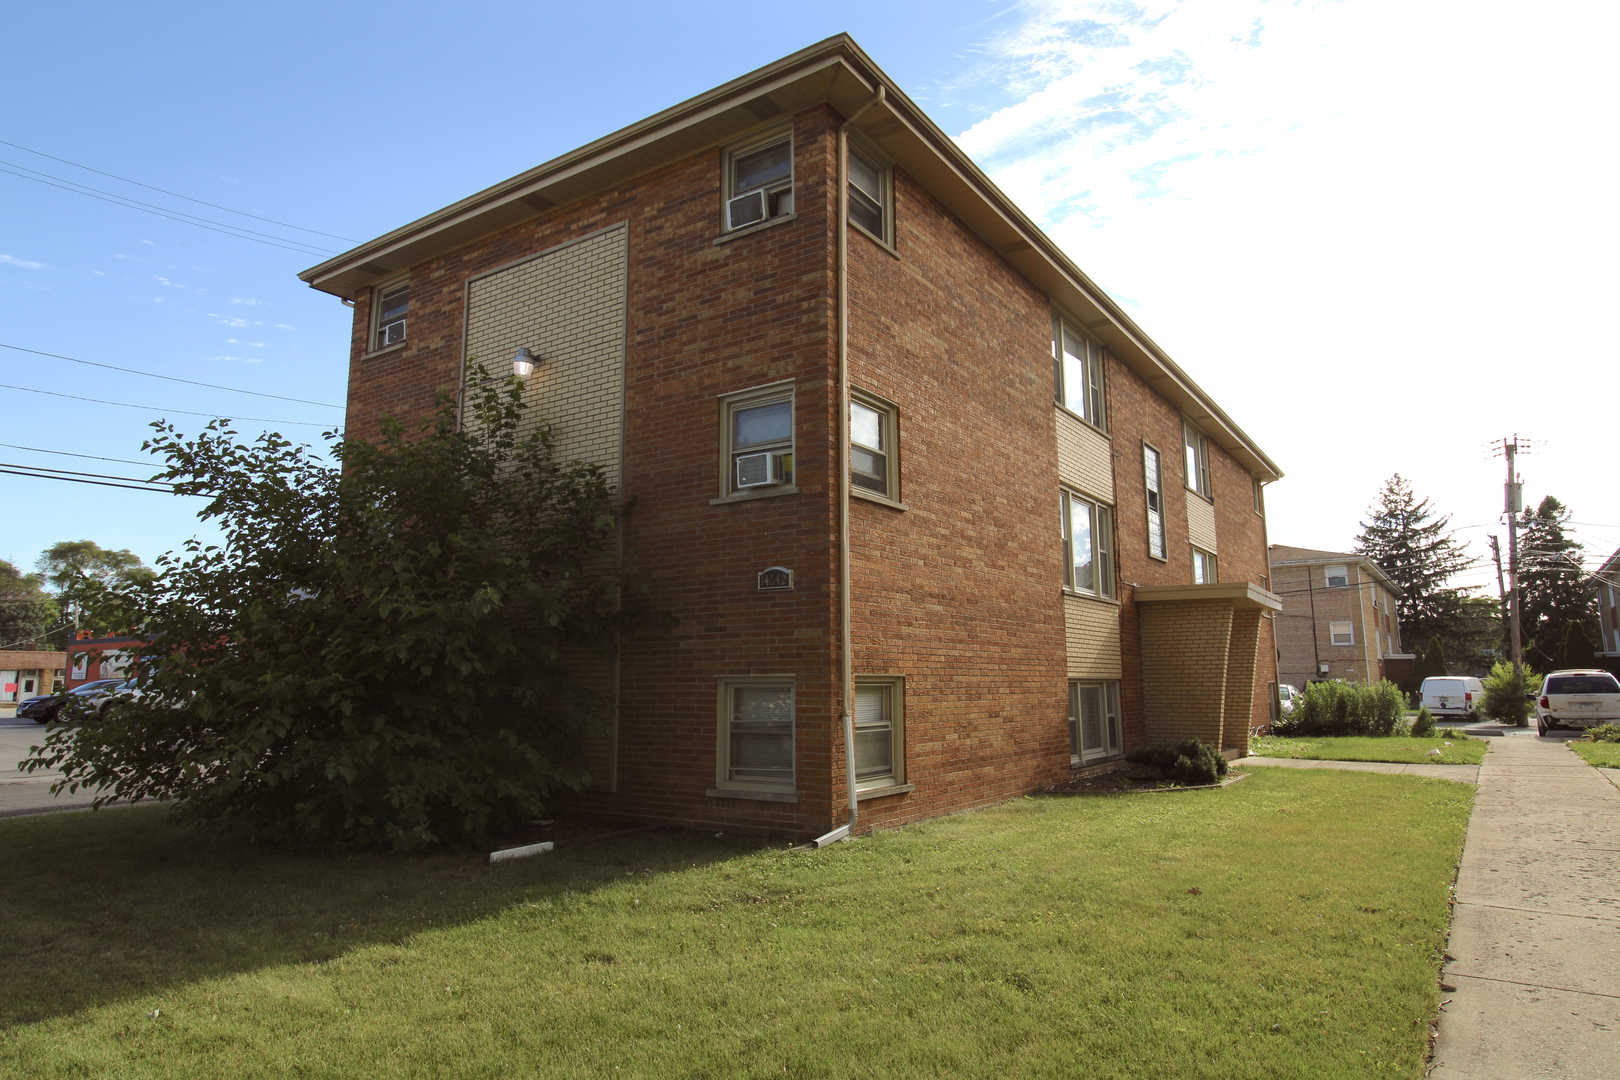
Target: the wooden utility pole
(1513, 504)
(1501, 589)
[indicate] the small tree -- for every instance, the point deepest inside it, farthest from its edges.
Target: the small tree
(1508, 699)
(379, 657)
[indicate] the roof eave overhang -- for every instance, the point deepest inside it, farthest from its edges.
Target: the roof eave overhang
(837, 73)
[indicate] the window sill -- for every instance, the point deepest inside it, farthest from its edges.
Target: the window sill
(749, 230)
(862, 794)
(1065, 410)
(1093, 597)
(750, 496)
(879, 241)
(1076, 763)
(757, 796)
(882, 500)
(386, 349)
(1207, 498)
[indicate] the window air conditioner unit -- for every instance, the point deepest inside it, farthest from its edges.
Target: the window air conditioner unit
(746, 209)
(394, 333)
(759, 470)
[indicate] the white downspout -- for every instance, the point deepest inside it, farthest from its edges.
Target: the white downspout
(846, 643)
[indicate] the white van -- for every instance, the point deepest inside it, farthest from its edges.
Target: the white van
(1577, 698)
(1453, 695)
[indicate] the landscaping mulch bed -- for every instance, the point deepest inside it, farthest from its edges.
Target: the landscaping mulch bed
(1125, 782)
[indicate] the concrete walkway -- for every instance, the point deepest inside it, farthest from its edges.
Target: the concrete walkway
(1535, 935)
(1468, 774)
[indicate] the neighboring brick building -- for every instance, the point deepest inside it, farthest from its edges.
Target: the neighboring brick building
(1607, 581)
(108, 657)
(26, 673)
(709, 334)
(1338, 619)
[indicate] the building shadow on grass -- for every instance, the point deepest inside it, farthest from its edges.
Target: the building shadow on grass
(99, 907)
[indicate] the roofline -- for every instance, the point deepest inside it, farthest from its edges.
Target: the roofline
(842, 76)
(1328, 558)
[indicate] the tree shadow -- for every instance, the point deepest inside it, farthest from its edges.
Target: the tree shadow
(103, 906)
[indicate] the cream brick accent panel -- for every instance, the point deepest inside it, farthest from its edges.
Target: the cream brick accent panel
(1085, 458)
(1242, 660)
(1184, 663)
(1201, 522)
(568, 306)
(1092, 631)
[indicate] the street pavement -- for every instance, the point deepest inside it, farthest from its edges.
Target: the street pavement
(29, 793)
(1530, 987)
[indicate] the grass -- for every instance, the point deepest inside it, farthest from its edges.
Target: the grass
(1288, 926)
(1605, 755)
(1457, 749)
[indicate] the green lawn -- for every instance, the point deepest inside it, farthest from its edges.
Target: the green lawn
(1288, 926)
(1605, 755)
(1456, 749)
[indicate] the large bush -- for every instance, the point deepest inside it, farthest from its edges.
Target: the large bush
(379, 656)
(1509, 700)
(1345, 708)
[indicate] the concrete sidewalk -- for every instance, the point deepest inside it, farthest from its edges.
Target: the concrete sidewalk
(1468, 774)
(1535, 935)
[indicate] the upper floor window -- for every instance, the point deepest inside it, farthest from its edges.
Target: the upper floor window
(1338, 577)
(1197, 460)
(1259, 496)
(1204, 570)
(388, 309)
(1341, 633)
(759, 182)
(872, 460)
(1079, 370)
(869, 195)
(756, 443)
(1153, 479)
(1088, 545)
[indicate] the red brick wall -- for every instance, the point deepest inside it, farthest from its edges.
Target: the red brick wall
(961, 592)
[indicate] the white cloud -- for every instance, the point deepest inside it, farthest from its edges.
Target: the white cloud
(240, 300)
(231, 341)
(99, 273)
(255, 344)
(161, 280)
(148, 243)
(24, 263)
(1369, 229)
(229, 320)
(284, 326)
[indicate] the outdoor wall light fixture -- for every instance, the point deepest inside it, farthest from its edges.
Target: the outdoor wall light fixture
(523, 363)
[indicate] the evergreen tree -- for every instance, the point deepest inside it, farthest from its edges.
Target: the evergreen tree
(1405, 537)
(1576, 650)
(1554, 590)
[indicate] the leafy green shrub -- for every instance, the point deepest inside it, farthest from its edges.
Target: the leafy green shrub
(1423, 723)
(1507, 700)
(1186, 762)
(1344, 708)
(1604, 733)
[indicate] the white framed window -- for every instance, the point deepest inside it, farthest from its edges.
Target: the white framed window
(1078, 366)
(759, 181)
(390, 304)
(874, 464)
(871, 195)
(756, 436)
(1088, 545)
(756, 733)
(1153, 480)
(1197, 447)
(879, 731)
(1093, 721)
(1341, 633)
(1338, 577)
(1204, 569)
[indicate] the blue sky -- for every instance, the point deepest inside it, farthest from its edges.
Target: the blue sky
(1378, 232)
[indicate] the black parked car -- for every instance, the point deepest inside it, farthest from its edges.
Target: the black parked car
(45, 709)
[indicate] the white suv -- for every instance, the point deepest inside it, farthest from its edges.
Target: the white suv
(1577, 698)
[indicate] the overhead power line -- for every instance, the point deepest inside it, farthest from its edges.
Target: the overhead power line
(137, 486)
(176, 194)
(307, 249)
(153, 206)
(170, 378)
(70, 472)
(69, 453)
(150, 408)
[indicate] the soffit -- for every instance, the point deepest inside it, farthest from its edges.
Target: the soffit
(835, 72)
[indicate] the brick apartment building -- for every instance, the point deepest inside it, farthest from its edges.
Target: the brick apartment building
(1607, 582)
(1338, 619)
(863, 483)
